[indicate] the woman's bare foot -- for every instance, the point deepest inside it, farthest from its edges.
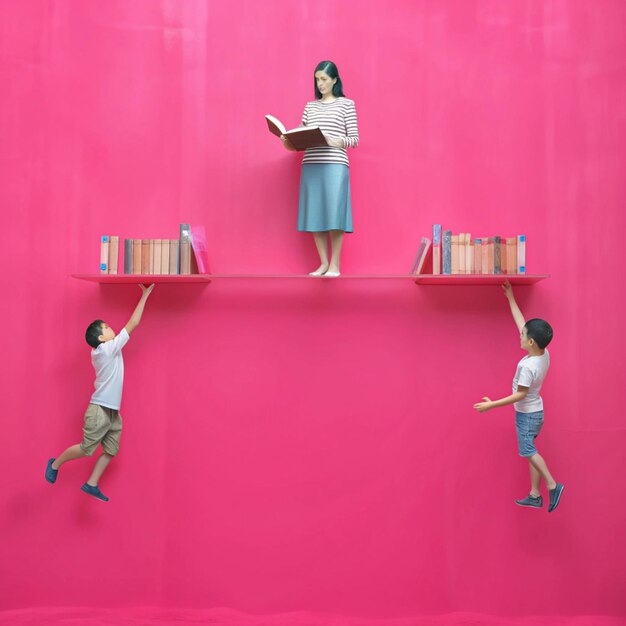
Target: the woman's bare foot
(320, 271)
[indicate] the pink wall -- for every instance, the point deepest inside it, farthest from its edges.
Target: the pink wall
(311, 445)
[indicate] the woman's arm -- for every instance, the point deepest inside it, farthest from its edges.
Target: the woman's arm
(351, 138)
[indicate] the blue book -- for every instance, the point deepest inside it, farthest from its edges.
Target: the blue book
(104, 254)
(521, 254)
(497, 255)
(436, 234)
(436, 248)
(447, 252)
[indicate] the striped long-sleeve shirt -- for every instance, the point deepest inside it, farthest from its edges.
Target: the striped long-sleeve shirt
(336, 119)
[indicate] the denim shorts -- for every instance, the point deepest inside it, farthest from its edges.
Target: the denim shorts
(528, 426)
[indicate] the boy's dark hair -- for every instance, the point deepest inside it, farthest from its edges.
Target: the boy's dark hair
(540, 331)
(94, 330)
(331, 69)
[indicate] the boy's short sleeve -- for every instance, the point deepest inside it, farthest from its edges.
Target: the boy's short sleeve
(115, 345)
(526, 376)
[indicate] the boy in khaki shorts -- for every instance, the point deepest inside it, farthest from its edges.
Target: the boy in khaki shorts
(103, 422)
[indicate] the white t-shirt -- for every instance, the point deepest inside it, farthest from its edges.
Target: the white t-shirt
(108, 362)
(531, 371)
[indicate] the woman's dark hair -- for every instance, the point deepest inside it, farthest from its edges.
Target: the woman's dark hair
(331, 69)
(94, 330)
(540, 331)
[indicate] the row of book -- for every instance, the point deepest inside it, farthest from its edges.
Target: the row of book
(185, 255)
(460, 254)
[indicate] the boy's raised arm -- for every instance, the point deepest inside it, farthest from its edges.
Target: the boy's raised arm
(135, 318)
(518, 317)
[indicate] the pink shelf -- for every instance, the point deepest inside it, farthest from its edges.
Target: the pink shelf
(146, 279)
(308, 277)
(478, 279)
(422, 279)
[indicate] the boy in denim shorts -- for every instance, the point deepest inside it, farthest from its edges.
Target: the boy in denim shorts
(535, 335)
(103, 422)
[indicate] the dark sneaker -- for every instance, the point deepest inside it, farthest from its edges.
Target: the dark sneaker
(94, 491)
(555, 496)
(51, 474)
(531, 501)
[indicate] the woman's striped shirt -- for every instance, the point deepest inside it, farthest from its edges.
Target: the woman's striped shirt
(336, 119)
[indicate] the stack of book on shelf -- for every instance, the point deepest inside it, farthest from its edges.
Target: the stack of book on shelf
(460, 254)
(185, 255)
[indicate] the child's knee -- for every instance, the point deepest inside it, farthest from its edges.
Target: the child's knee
(87, 450)
(110, 449)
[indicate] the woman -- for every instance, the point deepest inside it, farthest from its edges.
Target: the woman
(325, 209)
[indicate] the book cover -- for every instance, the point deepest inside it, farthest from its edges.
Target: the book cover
(470, 260)
(503, 255)
(151, 256)
(136, 256)
(454, 254)
(478, 256)
(436, 248)
(462, 256)
(157, 243)
(521, 254)
(484, 261)
(165, 256)
(511, 255)
(145, 256)
(114, 253)
(446, 251)
(198, 243)
(104, 254)
(422, 254)
(497, 259)
(185, 249)
(301, 138)
(490, 255)
(174, 246)
(128, 256)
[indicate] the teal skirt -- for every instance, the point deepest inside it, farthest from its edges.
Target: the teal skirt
(325, 198)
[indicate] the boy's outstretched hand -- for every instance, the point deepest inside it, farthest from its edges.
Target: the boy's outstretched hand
(146, 291)
(485, 405)
(508, 290)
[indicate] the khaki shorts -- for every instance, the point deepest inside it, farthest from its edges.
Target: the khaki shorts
(102, 425)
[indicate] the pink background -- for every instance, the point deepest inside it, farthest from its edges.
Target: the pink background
(301, 445)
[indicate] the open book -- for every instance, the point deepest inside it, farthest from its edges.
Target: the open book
(300, 138)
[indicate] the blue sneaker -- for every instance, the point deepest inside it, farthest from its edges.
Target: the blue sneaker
(531, 501)
(555, 496)
(51, 473)
(94, 491)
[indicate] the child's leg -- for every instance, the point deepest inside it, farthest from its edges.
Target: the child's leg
(101, 464)
(536, 461)
(535, 481)
(73, 452)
